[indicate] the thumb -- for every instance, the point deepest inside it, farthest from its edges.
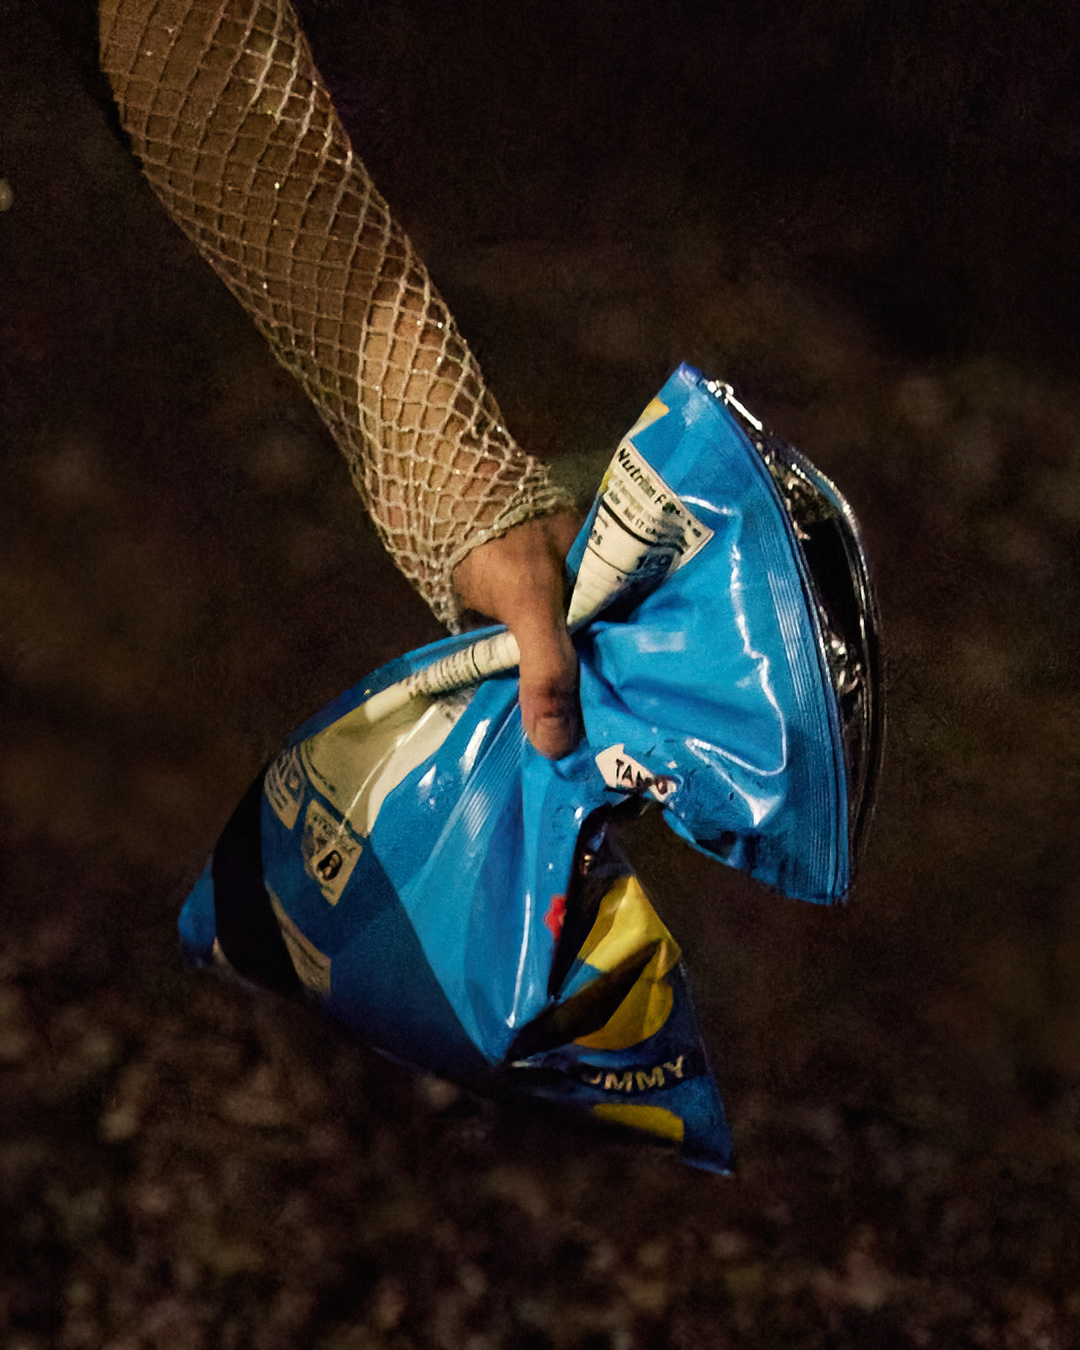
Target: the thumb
(548, 679)
(518, 580)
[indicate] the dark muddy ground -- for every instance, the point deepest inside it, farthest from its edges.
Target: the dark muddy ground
(864, 217)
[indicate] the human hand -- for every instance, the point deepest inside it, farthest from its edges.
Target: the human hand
(517, 580)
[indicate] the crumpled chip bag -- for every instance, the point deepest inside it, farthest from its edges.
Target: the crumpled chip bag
(457, 900)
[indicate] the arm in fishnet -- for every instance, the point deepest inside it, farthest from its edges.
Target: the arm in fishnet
(238, 135)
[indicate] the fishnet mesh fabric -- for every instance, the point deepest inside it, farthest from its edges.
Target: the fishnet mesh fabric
(238, 135)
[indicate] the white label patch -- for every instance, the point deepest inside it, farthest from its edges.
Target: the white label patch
(622, 772)
(357, 765)
(284, 787)
(330, 851)
(643, 503)
(641, 532)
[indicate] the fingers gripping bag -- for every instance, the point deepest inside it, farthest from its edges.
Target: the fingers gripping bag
(412, 864)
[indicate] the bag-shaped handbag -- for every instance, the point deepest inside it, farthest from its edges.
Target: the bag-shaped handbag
(457, 900)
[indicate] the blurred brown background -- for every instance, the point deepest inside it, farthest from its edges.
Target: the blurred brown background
(864, 216)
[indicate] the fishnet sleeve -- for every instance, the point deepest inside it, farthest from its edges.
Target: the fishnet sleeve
(237, 133)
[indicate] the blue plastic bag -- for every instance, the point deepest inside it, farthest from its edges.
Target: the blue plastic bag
(456, 899)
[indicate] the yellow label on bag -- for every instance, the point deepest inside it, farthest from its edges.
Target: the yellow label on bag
(652, 1119)
(627, 924)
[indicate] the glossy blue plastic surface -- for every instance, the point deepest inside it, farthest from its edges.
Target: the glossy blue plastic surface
(439, 949)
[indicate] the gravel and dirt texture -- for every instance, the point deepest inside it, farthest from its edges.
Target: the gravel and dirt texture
(865, 218)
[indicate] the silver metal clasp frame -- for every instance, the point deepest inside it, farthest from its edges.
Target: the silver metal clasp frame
(726, 394)
(842, 598)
